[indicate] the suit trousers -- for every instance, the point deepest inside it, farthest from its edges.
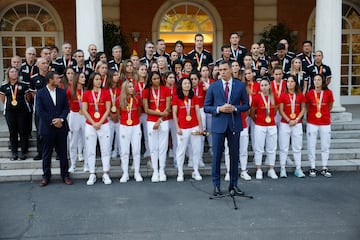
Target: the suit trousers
(91, 136)
(295, 133)
(233, 139)
(55, 138)
(130, 135)
(325, 139)
(243, 151)
(158, 144)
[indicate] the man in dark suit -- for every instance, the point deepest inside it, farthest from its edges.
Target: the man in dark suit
(52, 108)
(225, 100)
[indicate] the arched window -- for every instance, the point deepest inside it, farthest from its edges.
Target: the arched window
(350, 52)
(181, 21)
(25, 25)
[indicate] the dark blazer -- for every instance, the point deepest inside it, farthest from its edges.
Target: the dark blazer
(215, 97)
(47, 111)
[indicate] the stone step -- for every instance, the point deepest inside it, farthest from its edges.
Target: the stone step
(115, 173)
(335, 154)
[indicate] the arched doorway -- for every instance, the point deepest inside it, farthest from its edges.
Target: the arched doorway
(350, 52)
(27, 24)
(181, 21)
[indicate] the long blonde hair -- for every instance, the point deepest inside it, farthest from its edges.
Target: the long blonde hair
(125, 95)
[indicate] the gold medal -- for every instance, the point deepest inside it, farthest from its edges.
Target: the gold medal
(292, 115)
(268, 119)
(188, 118)
(158, 110)
(113, 109)
(96, 115)
(129, 122)
(14, 103)
(318, 115)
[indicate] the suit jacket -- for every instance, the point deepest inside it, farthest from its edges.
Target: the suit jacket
(215, 97)
(47, 111)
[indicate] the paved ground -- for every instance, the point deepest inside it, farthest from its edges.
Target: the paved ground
(310, 208)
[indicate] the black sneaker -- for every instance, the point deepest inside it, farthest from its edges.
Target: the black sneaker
(312, 172)
(14, 157)
(325, 172)
(22, 156)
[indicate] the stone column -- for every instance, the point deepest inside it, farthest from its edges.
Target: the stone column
(89, 24)
(328, 39)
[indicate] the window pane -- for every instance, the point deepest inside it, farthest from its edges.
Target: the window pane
(345, 24)
(344, 91)
(49, 41)
(355, 91)
(33, 10)
(344, 80)
(207, 26)
(7, 41)
(354, 18)
(356, 70)
(355, 80)
(11, 16)
(36, 41)
(44, 16)
(7, 52)
(344, 70)
(344, 59)
(27, 25)
(20, 41)
(356, 59)
(49, 26)
(186, 26)
(21, 52)
(345, 49)
(20, 10)
(356, 48)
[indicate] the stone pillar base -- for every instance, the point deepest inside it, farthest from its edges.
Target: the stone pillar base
(341, 117)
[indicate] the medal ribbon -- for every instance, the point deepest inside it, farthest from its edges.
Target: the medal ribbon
(14, 93)
(129, 107)
(79, 97)
(292, 103)
(96, 100)
(156, 97)
(267, 104)
(199, 61)
(104, 81)
(318, 101)
(113, 97)
(307, 59)
(141, 88)
(235, 53)
(187, 104)
(278, 92)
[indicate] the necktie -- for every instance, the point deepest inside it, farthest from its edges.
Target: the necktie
(227, 91)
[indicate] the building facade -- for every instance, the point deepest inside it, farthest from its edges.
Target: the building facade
(39, 23)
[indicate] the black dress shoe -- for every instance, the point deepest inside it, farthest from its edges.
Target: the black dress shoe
(236, 191)
(44, 182)
(22, 156)
(217, 191)
(67, 181)
(37, 157)
(14, 157)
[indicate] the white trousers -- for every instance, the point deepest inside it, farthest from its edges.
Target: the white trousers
(265, 136)
(91, 136)
(183, 141)
(130, 135)
(77, 135)
(243, 151)
(143, 122)
(325, 139)
(114, 134)
(207, 126)
(158, 144)
(172, 130)
(295, 133)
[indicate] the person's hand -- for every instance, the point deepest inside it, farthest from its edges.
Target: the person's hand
(179, 132)
(57, 122)
(157, 125)
(97, 125)
(227, 108)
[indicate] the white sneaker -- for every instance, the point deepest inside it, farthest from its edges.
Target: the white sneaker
(227, 177)
(244, 175)
(299, 173)
(80, 157)
(162, 176)
(171, 153)
(91, 180)
(196, 175)
(201, 163)
(124, 178)
(259, 174)
(272, 174)
(155, 177)
(289, 161)
(180, 177)
(283, 172)
(138, 177)
(106, 179)
(71, 169)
